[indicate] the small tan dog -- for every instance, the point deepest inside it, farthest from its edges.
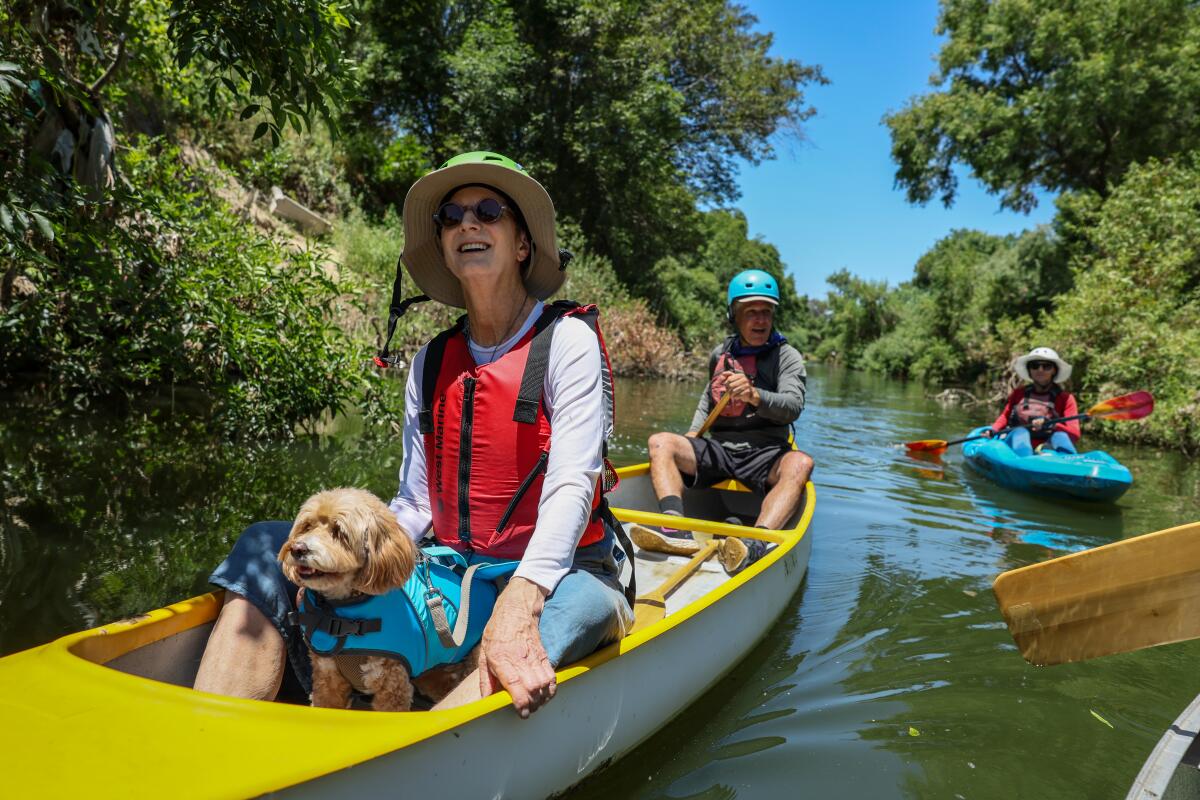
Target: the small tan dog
(346, 543)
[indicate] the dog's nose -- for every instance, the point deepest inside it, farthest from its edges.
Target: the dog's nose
(299, 549)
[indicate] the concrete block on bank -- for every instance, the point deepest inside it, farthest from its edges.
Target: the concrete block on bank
(286, 207)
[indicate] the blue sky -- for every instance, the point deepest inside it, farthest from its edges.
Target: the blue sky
(828, 202)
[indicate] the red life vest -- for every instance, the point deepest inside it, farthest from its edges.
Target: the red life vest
(1034, 406)
(747, 365)
(487, 438)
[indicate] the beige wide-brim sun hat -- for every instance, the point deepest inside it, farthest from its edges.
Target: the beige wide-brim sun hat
(422, 248)
(1021, 365)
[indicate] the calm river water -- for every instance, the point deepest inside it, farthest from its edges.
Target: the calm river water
(890, 674)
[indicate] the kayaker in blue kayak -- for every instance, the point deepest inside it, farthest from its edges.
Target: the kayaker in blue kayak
(1029, 407)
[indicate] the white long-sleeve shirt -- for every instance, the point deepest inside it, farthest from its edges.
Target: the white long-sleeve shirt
(573, 398)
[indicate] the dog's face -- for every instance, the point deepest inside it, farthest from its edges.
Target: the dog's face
(346, 541)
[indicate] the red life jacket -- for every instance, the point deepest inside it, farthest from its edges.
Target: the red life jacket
(487, 438)
(1034, 406)
(747, 365)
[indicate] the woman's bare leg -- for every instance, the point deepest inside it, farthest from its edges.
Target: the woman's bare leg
(245, 655)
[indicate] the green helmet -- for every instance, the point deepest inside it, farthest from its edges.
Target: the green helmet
(752, 284)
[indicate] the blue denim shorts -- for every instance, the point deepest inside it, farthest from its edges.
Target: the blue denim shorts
(586, 610)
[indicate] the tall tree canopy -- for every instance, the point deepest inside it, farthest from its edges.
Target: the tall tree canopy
(1056, 94)
(630, 111)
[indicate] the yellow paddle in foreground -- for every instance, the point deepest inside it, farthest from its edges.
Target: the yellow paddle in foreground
(1119, 597)
(1128, 406)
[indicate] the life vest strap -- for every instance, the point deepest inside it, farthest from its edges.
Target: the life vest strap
(533, 379)
(336, 627)
(433, 367)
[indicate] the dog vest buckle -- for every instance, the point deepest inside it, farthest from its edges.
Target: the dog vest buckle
(340, 626)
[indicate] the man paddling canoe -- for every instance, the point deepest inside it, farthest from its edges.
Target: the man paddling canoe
(764, 378)
(479, 234)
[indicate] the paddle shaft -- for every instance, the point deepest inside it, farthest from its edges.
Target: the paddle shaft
(1124, 596)
(1051, 421)
(712, 415)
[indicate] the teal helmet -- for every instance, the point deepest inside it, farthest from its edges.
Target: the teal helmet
(752, 284)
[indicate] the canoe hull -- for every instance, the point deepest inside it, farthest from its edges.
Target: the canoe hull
(1087, 476)
(609, 710)
(1172, 772)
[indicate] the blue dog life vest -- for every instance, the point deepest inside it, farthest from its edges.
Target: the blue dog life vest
(400, 624)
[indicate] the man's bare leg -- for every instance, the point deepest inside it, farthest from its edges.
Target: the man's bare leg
(787, 479)
(245, 655)
(671, 455)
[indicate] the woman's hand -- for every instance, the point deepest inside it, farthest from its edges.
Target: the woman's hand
(741, 388)
(511, 653)
(989, 433)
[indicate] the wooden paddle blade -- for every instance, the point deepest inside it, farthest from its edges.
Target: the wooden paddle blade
(1123, 596)
(650, 608)
(647, 611)
(1127, 406)
(927, 446)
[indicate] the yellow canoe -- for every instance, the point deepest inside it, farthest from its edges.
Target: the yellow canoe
(108, 712)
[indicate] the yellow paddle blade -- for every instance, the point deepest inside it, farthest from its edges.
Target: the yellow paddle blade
(1128, 406)
(1123, 596)
(927, 446)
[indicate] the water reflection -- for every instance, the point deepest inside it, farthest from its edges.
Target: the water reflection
(895, 628)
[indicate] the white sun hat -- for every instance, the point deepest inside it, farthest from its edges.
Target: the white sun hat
(1021, 365)
(422, 250)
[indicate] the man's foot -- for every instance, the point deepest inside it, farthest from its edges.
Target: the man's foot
(737, 554)
(659, 542)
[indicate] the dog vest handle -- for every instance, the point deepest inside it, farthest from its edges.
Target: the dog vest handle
(433, 599)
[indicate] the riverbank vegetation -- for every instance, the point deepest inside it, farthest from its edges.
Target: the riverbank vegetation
(1096, 102)
(141, 140)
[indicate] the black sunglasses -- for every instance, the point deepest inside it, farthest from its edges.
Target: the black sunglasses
(488, 210)
(1042, 365)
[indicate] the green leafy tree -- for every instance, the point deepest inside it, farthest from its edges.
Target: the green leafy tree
(1132, 319)
(629, 111)
(1048, 94)
(690, 289)
(859, 313)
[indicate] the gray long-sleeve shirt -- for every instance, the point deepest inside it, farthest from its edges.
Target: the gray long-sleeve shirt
(779, 406)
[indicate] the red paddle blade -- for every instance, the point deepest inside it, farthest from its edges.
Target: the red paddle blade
(1127, 406)
(926, 446)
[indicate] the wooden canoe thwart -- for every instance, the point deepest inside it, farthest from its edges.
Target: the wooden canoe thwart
(108, 712)
(1123, 596)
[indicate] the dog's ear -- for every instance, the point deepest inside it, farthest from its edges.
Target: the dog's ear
(391, 554)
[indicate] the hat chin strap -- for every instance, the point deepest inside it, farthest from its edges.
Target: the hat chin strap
(397, 309)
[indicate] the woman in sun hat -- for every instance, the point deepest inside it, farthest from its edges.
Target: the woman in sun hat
(1029, 407)
(480, 471)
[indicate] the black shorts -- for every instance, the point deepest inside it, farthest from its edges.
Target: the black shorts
(751, 466)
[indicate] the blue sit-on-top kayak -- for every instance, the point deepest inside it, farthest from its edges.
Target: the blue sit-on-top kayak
(1090, 476)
